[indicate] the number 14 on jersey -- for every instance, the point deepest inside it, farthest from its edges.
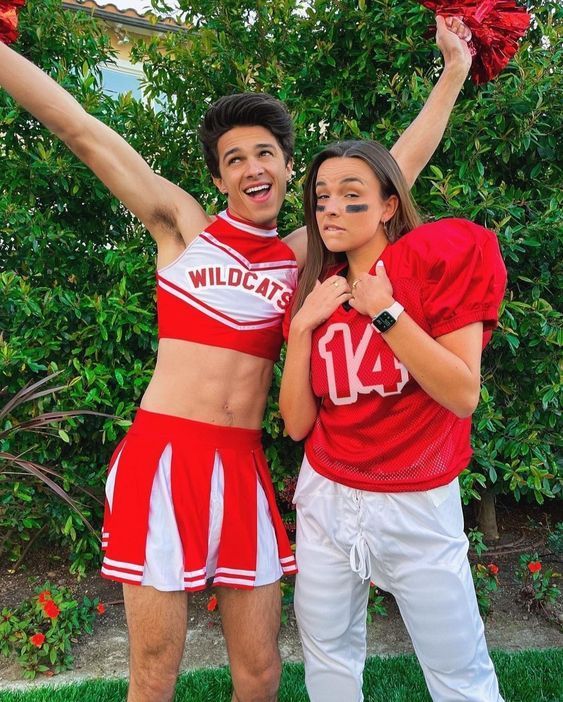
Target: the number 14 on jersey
(370, 367)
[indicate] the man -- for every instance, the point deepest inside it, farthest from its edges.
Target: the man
(223, 284)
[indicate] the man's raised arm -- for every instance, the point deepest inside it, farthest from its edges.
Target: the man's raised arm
(160, 205)
(419, 141)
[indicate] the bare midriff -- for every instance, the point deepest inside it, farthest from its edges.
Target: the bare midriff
(209, 384)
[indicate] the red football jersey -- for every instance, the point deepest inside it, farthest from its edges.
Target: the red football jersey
(376, 428)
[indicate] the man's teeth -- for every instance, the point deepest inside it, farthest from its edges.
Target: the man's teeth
(257, 189)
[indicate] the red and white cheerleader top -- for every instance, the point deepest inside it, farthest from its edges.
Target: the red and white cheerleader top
(229, 288)
(376, 428)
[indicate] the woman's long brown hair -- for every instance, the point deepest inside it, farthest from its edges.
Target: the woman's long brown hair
(391, 181)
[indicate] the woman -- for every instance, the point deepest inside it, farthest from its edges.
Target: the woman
(382, 375)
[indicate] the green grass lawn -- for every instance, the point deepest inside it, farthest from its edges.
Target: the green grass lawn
(527, 676)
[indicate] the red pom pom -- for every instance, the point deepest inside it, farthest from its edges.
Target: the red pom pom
(9, 20)
(496, 25)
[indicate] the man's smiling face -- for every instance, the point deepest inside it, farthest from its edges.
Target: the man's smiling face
(253, 174)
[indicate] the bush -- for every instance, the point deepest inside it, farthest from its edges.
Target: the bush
(77, 278)
(539, 591)
(41, 630)
(485, 580)
(20, 512)
(555, 539)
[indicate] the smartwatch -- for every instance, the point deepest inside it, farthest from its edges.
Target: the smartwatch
(387, 318)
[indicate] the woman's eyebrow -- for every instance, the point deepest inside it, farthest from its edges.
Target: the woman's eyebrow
(352, 179)
(348, 179)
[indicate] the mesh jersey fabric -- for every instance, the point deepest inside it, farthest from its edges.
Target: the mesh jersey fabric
(376, 428)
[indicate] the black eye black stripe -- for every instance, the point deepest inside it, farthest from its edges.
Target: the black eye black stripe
(356, 209)
(350, 209)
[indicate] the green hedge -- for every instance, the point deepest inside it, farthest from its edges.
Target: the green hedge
(77, 272)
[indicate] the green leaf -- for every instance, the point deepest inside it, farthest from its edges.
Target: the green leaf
(64, 436)
(436, 171)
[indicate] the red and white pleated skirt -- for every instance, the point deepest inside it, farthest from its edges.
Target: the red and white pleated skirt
(187, 502)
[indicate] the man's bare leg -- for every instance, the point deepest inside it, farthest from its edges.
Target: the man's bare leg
(251, 624)
(157, 623)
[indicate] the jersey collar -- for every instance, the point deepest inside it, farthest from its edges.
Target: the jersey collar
(250, 227)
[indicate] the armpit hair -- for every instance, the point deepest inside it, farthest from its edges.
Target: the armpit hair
(164, 217)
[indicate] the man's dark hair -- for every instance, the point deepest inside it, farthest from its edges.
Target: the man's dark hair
(245, 110)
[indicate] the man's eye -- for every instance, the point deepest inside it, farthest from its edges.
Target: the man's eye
(351, 195)
(236, 159)
(265, 153)
(322, 197)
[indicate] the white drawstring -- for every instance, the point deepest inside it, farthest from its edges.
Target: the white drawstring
(360, 561)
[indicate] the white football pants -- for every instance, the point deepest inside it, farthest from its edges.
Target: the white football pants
(410, 544)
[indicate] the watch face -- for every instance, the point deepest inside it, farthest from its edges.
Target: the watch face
(384, 321)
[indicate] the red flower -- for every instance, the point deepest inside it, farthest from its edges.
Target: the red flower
(534, 566)
(51, 609)
(101, 608)
(44, 596)
(37, 640)
(493, 568)
(212, 603)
